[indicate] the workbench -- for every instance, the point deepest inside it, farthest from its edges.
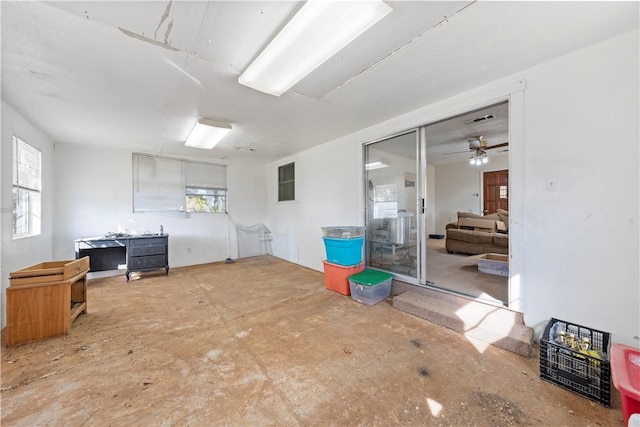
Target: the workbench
(139, 253)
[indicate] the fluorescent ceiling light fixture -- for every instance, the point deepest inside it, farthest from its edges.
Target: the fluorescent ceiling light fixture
(318, 31)
(375, 165)
(207, 133)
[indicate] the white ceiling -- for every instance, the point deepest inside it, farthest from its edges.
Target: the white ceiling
(137, 75)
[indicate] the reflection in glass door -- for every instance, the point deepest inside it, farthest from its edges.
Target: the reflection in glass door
(392, 218)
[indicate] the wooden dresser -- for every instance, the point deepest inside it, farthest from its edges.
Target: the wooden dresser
(44, 299)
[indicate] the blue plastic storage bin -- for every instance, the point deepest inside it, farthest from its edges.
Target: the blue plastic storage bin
(344, 251)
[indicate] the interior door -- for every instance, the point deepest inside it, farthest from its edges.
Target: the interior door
(495, 191)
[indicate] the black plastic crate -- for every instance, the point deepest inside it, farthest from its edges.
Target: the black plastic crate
(587, 373)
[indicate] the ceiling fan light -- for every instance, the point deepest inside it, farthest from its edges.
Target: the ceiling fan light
(485, 160)
(472, 161)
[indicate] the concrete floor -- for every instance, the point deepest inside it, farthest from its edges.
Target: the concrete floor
(262, 343)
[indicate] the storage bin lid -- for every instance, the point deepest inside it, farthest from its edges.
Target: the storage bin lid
(343, 239)
(346, 232)
(370, 277)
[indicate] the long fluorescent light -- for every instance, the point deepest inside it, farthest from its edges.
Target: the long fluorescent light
(207, 133)
(375, 165)
(317, 32)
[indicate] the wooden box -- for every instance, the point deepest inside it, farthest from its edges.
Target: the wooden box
(52, 271)
(497, 264)
(44, 299)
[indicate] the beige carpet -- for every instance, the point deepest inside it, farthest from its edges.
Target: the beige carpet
(459, 273)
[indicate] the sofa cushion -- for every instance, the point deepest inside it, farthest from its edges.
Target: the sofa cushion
(501, 240)
(470, 236)
(493, 216)
(485, 225)
(504, 216)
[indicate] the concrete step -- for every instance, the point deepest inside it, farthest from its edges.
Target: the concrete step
(494, 325)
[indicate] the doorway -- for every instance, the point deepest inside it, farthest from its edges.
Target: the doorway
(419, 182)
(495, 192)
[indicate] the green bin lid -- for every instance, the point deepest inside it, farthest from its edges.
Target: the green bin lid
(370, 277)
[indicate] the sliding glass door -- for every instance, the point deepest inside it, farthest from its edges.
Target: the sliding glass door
(394, 209)
(407, 220)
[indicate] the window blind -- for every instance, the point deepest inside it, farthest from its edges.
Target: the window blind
(206, 175)
(160, 184)
(26, 170)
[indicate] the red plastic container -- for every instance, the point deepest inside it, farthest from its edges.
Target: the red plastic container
(625, 372)
(336, 276)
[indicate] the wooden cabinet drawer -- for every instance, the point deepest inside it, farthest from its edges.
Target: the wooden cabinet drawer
(146, 250)
(152, 261)
(52, 271)
(148, 241)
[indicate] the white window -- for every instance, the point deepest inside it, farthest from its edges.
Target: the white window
(286, 183)
(385, 201)
(27, 184)
(206, 187)
(173, 185)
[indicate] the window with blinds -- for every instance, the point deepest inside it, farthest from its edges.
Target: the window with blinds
(286, 183)
(172, 185)
(27, 186)
(206, 187)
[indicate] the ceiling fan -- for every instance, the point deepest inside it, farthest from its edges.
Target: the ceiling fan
(478, 145)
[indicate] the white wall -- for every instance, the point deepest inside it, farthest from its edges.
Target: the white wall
(459, 189)
(328, 192)
(581, 126)
(580, 253)
(20, 253)
(94, 196)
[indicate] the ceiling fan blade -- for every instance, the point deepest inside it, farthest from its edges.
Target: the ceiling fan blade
(504, 144)
(457, 152)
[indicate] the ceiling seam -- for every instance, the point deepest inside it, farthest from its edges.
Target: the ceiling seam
(407, 44)
(170, 107)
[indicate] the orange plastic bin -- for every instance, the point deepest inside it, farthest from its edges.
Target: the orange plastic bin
(625, 372)
(336, 276)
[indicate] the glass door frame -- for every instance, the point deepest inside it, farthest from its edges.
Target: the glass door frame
(421, 188)
(422, 207)
(513, 92)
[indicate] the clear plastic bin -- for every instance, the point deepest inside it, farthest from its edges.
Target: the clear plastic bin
(370, 287)
(347, 232)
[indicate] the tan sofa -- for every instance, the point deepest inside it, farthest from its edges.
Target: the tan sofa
(476, 234)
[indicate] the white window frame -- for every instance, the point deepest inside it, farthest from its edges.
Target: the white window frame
(26, 189)
(283, 184)
(215, 199)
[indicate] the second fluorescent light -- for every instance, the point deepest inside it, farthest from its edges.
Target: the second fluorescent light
(317, 32)
(207, 133)
(375, 165)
